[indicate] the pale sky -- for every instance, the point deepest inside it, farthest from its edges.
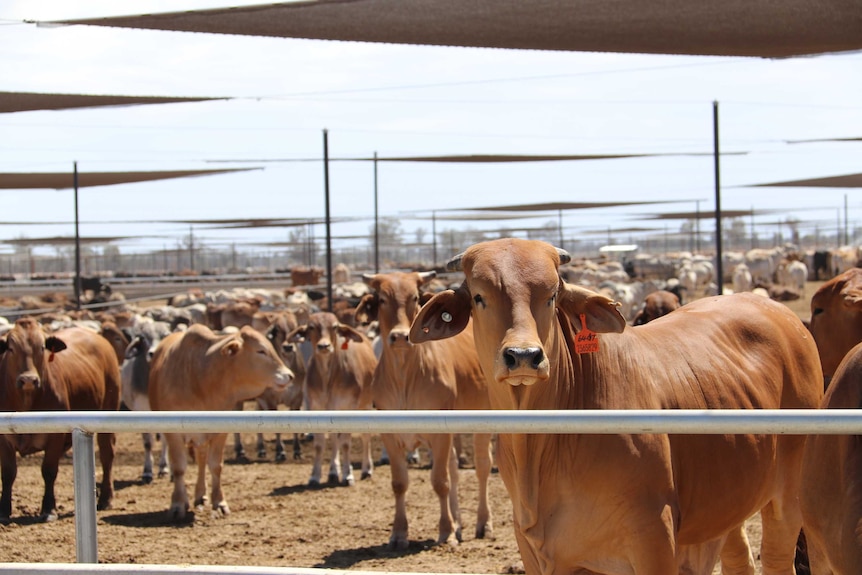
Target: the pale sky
(406, 100)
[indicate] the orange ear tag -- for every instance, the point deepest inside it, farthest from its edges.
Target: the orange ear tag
(586, 341)
(344, 345)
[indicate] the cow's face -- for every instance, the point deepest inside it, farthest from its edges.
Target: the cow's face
(254, 356)
(26, 352)
(512, 290)
(836, 318)
(394, 304)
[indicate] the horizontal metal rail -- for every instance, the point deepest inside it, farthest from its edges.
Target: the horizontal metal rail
(84, 424)
(707, 421)
(136, 569)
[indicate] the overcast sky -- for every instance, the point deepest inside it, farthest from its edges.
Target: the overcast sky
(405, 100)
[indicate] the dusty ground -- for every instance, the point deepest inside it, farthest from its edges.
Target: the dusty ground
(276, 519)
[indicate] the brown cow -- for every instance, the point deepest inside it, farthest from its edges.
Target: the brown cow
(73, 369)
(435, 375)
(305, 276)
(831, 492)
(656, 305)
(650, 504)
(836, 318)
(338, 377)
(831, 496)
(198, 370)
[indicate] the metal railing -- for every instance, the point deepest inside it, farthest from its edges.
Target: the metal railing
(84, 424)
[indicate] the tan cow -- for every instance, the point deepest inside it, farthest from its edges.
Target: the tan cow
(836, 318)
(338, 377)
(435, 375)
(198, 370)
(648, 504)
(73, 369)
(831, 496)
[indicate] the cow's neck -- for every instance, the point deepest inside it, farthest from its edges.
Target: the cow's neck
(527, 458)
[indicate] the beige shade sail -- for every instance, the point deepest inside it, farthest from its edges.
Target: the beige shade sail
(847, 181)
(31, 101)
(698, 27)
(64, 180)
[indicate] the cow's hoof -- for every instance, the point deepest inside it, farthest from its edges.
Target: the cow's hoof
(103, 505)
(297, 455)
(261, 453)
(164, 473)
(50, 516)
(365, 475)
(314, 482)
(221, 509)
(178, 512)
(281, 457)
(147, 478)
(332, 479)
(349, 482)
(398, 543)
(485, 531)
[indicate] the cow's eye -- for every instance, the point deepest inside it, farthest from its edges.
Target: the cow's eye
(552, 302)
(479, 301)
(817, 311)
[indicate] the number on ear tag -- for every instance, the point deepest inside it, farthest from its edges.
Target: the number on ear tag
(586, 341)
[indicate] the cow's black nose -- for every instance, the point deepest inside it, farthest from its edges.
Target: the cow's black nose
(523, 357)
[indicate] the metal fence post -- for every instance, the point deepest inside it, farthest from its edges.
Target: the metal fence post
(84, 464)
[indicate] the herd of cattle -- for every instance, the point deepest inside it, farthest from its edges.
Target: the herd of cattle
(508, 334)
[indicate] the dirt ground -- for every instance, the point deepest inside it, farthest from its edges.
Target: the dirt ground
(276, 519)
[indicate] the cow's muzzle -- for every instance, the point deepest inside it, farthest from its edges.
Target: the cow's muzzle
(29, 381)
(522, 365)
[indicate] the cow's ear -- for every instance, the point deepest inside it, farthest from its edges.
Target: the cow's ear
(445, 315)
(232, 347)
(54, 344)
(601, 313)
(852, 297)
(297, 335)
(366, 311)
(348, 332)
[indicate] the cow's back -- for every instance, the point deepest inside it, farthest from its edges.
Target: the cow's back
(172, 370)
(88, 369)
(741, 352)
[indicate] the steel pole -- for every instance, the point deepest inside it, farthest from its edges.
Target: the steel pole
(84, 463)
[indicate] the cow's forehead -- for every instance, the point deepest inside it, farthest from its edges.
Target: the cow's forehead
(502, 262)
(25, 331)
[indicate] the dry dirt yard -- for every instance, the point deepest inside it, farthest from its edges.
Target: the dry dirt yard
(276, 519)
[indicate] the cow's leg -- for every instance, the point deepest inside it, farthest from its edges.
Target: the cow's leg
(367, 463)
(163, 458)
(261, 447)
(8, 472)
(178, 458)
(201, 458)
(482, 461)
(782, 517)
(54, 451)
(344, 454)
(335, 461)
(319, 444)
(400, 481)
(781, 525)
(215, 453)
(147, 475)
(459, 450)
(279, 449)
(106, 442)
(238, 449)
(297, 448)
(454, 476)
(736, 556)
(443, 458)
